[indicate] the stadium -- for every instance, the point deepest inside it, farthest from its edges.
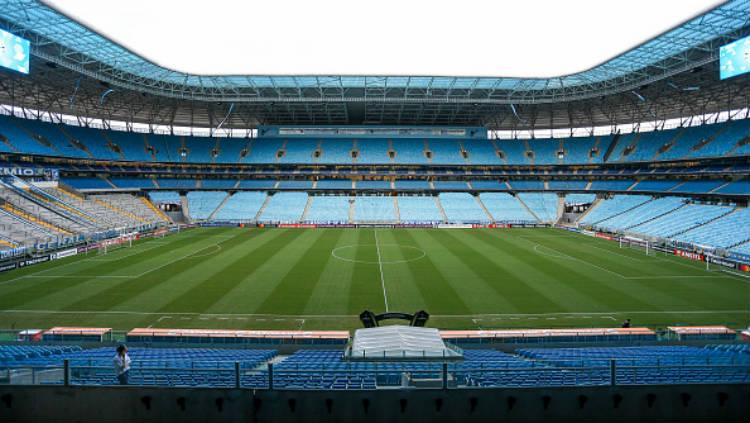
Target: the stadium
(373, 247)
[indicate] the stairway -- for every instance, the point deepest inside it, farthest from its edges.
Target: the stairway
(29, 193)
(611, 148)
(440, 208)
(8, 244)
(50, 202)
(74, 142)
(159, 212)
(120, 211)
(185, 208)
(23, 214)
(66, 190)
(111, 145)
(704, 223)
(623, 212)
(560, 207)
(308, 204)
(262, 208)
(481, 204)
(593, 205)
(24, 221)
(656, 217)
(720, 186)
(221, 204)
(352, 209)
(396, 209)
(528, 209)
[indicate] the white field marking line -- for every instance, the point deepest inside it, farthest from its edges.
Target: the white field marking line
(655, 256)
(335, 250)
(565, 256)
(210, 253)
(80, 277)
(735, 274)
(678, 277)
(36, 275)
(671, 260)
(121, 257)
(380, 266)
(86, 259)
(679, 261)
(617, 254)
(337, 316)
(178, 259)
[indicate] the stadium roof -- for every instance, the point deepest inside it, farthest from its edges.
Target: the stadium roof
(673, 74)
(510, 39)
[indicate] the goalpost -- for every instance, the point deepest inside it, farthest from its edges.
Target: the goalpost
(109, 245)
(637, 244)
(716, 263)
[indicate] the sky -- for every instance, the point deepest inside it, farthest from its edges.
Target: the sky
(523, 38)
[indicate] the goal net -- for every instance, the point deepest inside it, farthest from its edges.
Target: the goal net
(637, 244)
(110, 245)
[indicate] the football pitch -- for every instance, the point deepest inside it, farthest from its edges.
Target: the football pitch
(323, 278)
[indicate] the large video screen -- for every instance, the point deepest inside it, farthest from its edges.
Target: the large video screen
(734, 58)
(14, 52)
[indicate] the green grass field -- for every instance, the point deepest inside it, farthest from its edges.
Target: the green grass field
(323, 278)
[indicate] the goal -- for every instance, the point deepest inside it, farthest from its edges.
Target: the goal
(637, 244)
(109, 245)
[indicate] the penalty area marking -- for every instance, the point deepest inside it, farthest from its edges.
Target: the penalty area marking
(216, 250)
(567, 257)
(42, 273)
(422, 253)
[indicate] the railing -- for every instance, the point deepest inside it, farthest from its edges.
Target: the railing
(250, 375)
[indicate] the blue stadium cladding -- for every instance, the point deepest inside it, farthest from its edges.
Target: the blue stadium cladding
(14, 52)
(734, 58)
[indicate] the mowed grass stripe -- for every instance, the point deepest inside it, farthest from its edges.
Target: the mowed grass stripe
(179, 283)
(400, 283)
(675, 293)
(563, 285)
(492, 265)
(331, 292)
(207, 293)
(607, 287)
(501, 265)
(465, 272)
(63, 290)
(438, 293)
(365, 291)
(119, 291)
(293, 291)
(134, 264)
(264, 270)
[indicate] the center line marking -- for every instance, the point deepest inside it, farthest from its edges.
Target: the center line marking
(380, 265)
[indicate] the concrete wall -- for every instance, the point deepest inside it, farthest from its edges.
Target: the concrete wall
(696, 403)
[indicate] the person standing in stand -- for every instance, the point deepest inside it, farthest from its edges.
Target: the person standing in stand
(122, 364)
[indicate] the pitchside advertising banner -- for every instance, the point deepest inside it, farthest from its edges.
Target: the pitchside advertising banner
(743, 258)
(690, 255)
(721, 262)
(64, 253)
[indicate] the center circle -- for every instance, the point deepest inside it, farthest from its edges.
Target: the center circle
(383, 252)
